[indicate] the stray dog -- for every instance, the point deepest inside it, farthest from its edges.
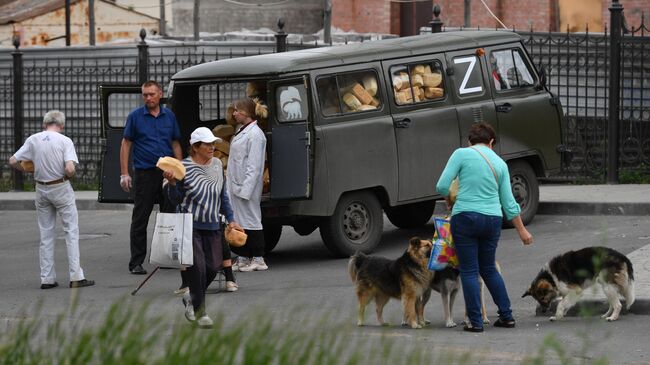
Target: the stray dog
(406, 278)
(447, 283)
(567, 276)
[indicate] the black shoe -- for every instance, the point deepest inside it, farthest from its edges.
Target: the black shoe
(505, 324)
(138, 270)
(81, 283)
(473, 329)
(49, 286)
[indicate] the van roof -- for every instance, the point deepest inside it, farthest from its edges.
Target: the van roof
(314, 58)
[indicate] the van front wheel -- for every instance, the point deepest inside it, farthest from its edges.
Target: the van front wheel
(525, 189)
(411, 215)
(356, 225)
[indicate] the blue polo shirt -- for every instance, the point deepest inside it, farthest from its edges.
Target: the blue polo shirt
(151, 136)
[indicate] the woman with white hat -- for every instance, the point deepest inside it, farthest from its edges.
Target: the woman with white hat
(203, 193)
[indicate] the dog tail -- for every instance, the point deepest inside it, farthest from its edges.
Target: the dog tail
(354, 264)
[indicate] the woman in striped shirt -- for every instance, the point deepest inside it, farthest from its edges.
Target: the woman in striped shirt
(203, 193)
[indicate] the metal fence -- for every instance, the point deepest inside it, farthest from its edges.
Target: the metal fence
(578, 68)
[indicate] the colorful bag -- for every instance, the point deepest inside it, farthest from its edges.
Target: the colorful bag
(443, 252)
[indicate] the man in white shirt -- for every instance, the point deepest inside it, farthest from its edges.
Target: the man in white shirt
(54, 159)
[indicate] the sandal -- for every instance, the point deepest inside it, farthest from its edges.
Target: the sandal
(504, 324)
(473, 329)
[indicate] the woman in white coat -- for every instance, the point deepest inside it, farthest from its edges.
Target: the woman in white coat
(244, 179)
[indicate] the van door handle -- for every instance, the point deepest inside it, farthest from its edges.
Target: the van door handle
(404, 123)
(504, 108)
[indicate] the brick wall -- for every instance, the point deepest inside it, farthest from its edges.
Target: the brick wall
(364, 16)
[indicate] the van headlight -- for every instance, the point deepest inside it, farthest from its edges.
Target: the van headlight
(170, 89)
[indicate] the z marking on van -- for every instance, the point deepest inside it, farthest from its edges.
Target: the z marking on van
(463, 86)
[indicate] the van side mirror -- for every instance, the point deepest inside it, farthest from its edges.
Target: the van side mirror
(542, 76)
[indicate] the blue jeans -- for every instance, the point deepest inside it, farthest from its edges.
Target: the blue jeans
(476, 237)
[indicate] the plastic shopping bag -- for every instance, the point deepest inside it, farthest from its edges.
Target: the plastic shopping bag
(172, 241)
(443, 252)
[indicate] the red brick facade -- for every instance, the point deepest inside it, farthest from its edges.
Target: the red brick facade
(382, 16)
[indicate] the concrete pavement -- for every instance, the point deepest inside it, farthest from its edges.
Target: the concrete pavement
(632, 199)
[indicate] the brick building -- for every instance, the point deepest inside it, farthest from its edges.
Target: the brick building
(405, 18)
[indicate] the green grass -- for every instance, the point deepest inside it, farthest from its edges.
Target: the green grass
(130, 334)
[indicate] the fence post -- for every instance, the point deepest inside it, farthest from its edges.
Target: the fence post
(143, 58)
(18, 107)
(615, 11)
(280, 38)
(436, 23)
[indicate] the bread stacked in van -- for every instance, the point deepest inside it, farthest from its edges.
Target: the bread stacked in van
(361, 95)
(426, 85)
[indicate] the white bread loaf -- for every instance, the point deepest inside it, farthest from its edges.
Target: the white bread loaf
(418, 70)
(432, 79)
(361, 93)
(171, 164)
(367, 107)
(404, 96)
(234, 237)
(417, 81)
(433, 92)
(222, 146)
(351, 101)
(370, 84)
(223, 131)
(27, 165)
(375, 101)
(427, 69)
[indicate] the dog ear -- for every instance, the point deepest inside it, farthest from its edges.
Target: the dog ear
(527, 293)
(414, 241)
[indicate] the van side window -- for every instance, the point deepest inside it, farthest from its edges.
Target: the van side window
(348, 93)
(417, 82)
(509, 70)
(292, 103)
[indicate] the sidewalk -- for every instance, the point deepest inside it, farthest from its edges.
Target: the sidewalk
(554, 199)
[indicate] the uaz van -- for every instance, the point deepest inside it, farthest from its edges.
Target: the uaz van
(358, 130)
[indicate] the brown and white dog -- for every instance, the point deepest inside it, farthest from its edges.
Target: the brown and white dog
(569, 274)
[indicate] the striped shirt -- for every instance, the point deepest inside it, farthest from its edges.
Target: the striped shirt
(203, 193)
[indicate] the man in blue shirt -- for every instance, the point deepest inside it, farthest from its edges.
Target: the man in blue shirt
(152, 132)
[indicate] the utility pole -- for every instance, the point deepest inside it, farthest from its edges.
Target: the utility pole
(196, 20)
(468, 12)
(162, 26)
(91, 22)
(67, 22)
(327, 22)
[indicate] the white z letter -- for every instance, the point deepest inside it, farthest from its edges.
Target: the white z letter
(463, 86)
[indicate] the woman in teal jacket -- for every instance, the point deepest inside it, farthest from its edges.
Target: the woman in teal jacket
(484, 192)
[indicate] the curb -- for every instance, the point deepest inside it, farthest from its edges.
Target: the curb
(586, 308)
(576, 208)
(82, 204)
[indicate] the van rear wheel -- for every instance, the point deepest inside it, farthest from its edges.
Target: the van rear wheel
(411, 215)
(525, 189)
(356, 225)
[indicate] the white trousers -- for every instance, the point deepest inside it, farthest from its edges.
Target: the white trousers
(50, 200)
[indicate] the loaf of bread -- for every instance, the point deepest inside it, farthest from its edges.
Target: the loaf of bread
(433, 92)
(374, 102)
(418, 94)
(401, 81)
(417, 80)
(234, 237)
(432, 79)
(367, 107)
(222, 146)
(27, 165)
(351, 101)
(171, 164)
(361, 94)
(404, 96)
(418, 70)
(427, 69)
(223, 131)
(370, 84)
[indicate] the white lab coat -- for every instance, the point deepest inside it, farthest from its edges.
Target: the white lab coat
(244, 175)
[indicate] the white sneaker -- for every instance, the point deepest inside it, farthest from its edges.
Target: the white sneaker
(240, 262)
(205, 322)
(189, 309)
(231, 286)
(182, 291)
(257, 264)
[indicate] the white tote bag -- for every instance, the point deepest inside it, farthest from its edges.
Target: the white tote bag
(172, 241)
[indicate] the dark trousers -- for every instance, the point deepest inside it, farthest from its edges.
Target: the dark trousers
(148, 191)
(254, 246)
(208, 259)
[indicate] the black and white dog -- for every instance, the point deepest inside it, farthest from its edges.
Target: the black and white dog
(569, 274)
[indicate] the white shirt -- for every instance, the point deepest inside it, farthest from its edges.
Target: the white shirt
(49, 151)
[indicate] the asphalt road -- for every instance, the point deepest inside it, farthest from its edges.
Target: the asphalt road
(304, 281)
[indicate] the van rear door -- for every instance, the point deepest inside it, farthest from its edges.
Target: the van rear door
(117, 101)
(291, 139)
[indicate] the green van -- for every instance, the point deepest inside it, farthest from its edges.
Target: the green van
(363, 129)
